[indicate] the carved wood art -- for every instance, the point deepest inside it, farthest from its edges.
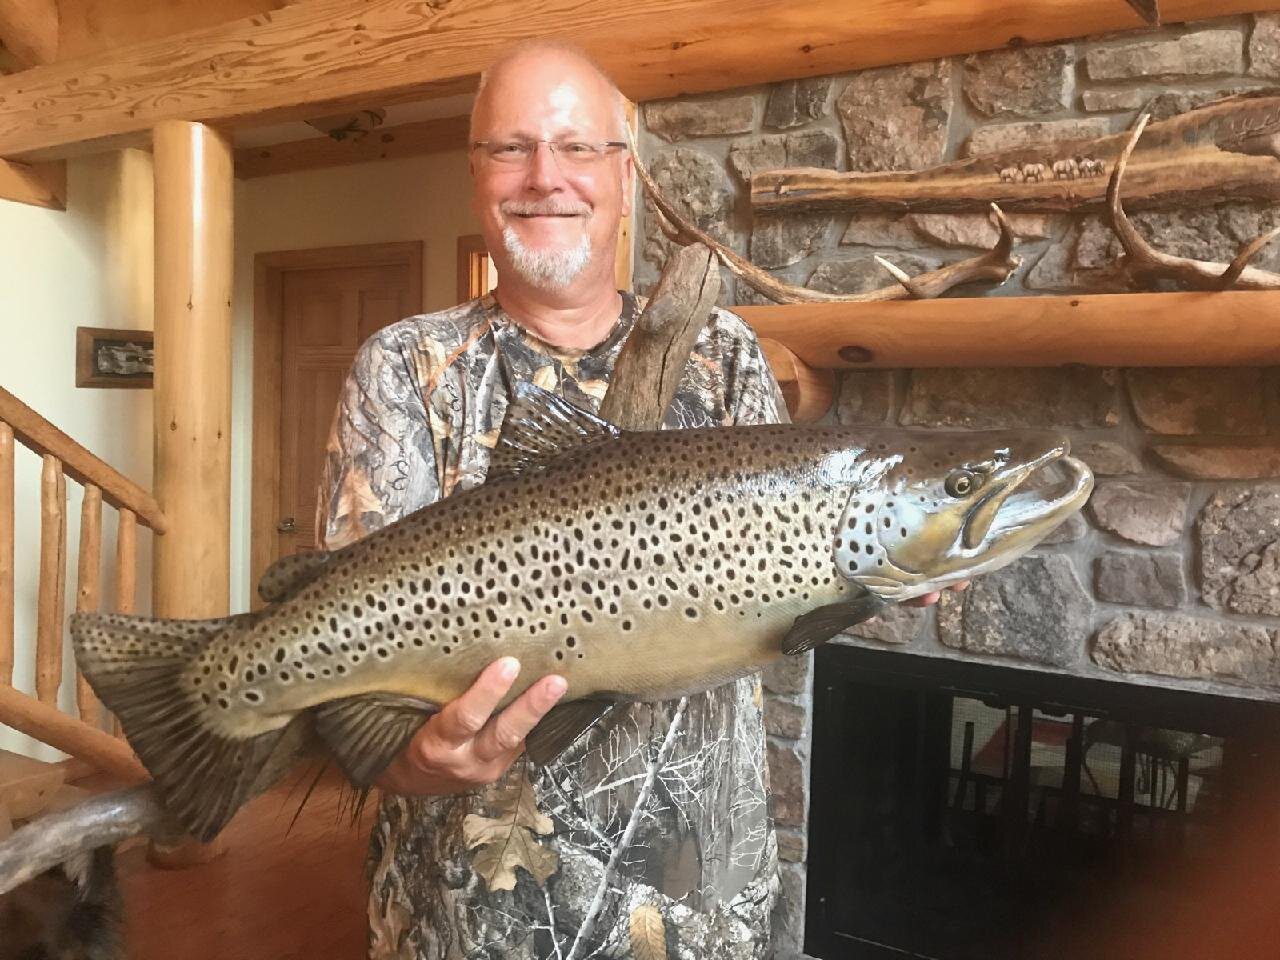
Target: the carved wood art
(1229, 149)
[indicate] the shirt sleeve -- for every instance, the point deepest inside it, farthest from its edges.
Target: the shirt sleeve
(752, 394)
(380, 460)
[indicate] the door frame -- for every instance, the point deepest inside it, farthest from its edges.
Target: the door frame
(268, 382)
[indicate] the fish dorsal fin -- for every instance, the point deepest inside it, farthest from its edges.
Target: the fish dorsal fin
(818, 626)
(539, 427)
(290, 574)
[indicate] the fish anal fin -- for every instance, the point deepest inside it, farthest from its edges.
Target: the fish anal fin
(290, 574)
(367, 731)
(818, 626)
(562, 725)
(538, 428)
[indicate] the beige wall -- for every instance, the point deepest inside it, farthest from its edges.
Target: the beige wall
(88, 266)
(423, 198)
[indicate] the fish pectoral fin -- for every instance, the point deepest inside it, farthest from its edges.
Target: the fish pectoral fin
(290, 574)
(538, 428)
(562, 725)
(366, 732)
(820, 625)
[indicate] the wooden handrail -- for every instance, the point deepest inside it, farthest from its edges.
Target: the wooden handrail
(38, 434)
(48, 725)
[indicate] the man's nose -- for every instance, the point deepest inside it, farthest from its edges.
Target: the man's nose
(544, 173)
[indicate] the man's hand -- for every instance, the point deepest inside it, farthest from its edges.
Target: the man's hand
(463, 746)
(926, 599)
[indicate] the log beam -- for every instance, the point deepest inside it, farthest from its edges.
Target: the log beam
(37, 184)
(1217, 329)
(807, 391)
(384, 143)
(29, 30)
(329, 55)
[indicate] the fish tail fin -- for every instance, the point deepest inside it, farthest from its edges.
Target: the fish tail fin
(134, 665)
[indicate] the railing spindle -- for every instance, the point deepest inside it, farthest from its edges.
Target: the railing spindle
(126, 562)
(6, 554)
(89, 589)
(52, 557)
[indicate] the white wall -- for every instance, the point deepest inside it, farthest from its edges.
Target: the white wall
(60, 270)
(421, 198)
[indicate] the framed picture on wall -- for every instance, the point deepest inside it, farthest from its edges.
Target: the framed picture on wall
(114, 358)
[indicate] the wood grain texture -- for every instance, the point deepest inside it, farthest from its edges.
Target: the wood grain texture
(29, 30)
(328, 55)
(193, 204)
(1110, 330)
(808, 392)
(38, 434)
(652, 361)
(89, 588)
(49, 614)
(1225, 150)
(6, 554)
(36, 184)
(49, 725)
(125, 600)
(383, 143)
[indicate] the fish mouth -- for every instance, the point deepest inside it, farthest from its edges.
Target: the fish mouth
(1010, 512)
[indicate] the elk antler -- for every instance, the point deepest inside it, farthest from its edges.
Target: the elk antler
(1142, 259)
(994, 266)
(98, 822)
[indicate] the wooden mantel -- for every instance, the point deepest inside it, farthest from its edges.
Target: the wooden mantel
(329, 54)
(1220, 329)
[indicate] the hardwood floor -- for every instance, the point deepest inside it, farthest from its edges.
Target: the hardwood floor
(278, 894)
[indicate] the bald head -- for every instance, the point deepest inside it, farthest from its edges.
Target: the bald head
(541, 57)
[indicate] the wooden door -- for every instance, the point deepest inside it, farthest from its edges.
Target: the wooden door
(320, 305)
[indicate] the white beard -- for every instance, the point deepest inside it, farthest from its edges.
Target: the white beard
(547, 269)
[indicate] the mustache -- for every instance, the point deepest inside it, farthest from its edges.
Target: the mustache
(545, 208)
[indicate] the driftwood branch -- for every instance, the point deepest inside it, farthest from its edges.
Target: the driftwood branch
(1141, 259)
(994, 266)
(1226, 150)
(652, 361)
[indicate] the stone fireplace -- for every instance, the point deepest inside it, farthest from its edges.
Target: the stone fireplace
(1170, 581)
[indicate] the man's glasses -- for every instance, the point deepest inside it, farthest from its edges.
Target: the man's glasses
(519, 153)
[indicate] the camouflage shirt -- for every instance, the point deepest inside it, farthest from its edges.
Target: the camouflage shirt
(419, 414)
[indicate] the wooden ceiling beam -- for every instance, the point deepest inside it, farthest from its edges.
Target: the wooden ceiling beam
(29, 30)
(327, 55)
(37, 184)
(382, 143)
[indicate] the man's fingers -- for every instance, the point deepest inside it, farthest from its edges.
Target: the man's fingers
(466, 716)
(505, 732)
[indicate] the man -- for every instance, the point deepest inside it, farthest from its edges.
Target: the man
(418, 417)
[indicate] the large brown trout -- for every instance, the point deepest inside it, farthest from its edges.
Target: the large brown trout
(640, 566)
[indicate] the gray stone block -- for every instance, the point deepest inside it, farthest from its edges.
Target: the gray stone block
(674, 120)
(882, 230)
(1239, 536)
(1109, 101)
(785, 718)
(696, 183)
(1264, 45)
(1140, 579)
(1019, 82)
(866, 398)
(808, 148)
(1200, 462)
(788, 911)
(780, 240)
(794, 103)
(1008, 136)
(1106, 458)
(1152, 514)
(1190, 648)
(979, 229)
(896, 118)
(788, 783)
(1034, 609)
(1204, 53)
(793, 845)
(862, 275)
(1197, 400)
(993, 398)
(789, 675)
(898, 625)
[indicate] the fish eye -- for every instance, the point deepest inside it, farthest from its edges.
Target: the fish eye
(961, 483)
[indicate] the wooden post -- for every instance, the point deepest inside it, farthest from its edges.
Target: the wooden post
(50, 612)
(126, 562)
(193, 190)
(89, 588)
(6, 554)
(191, 571)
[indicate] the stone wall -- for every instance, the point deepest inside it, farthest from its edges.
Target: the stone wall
(1172, 576)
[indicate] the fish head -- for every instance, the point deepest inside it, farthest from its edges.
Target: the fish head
(929, 512)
